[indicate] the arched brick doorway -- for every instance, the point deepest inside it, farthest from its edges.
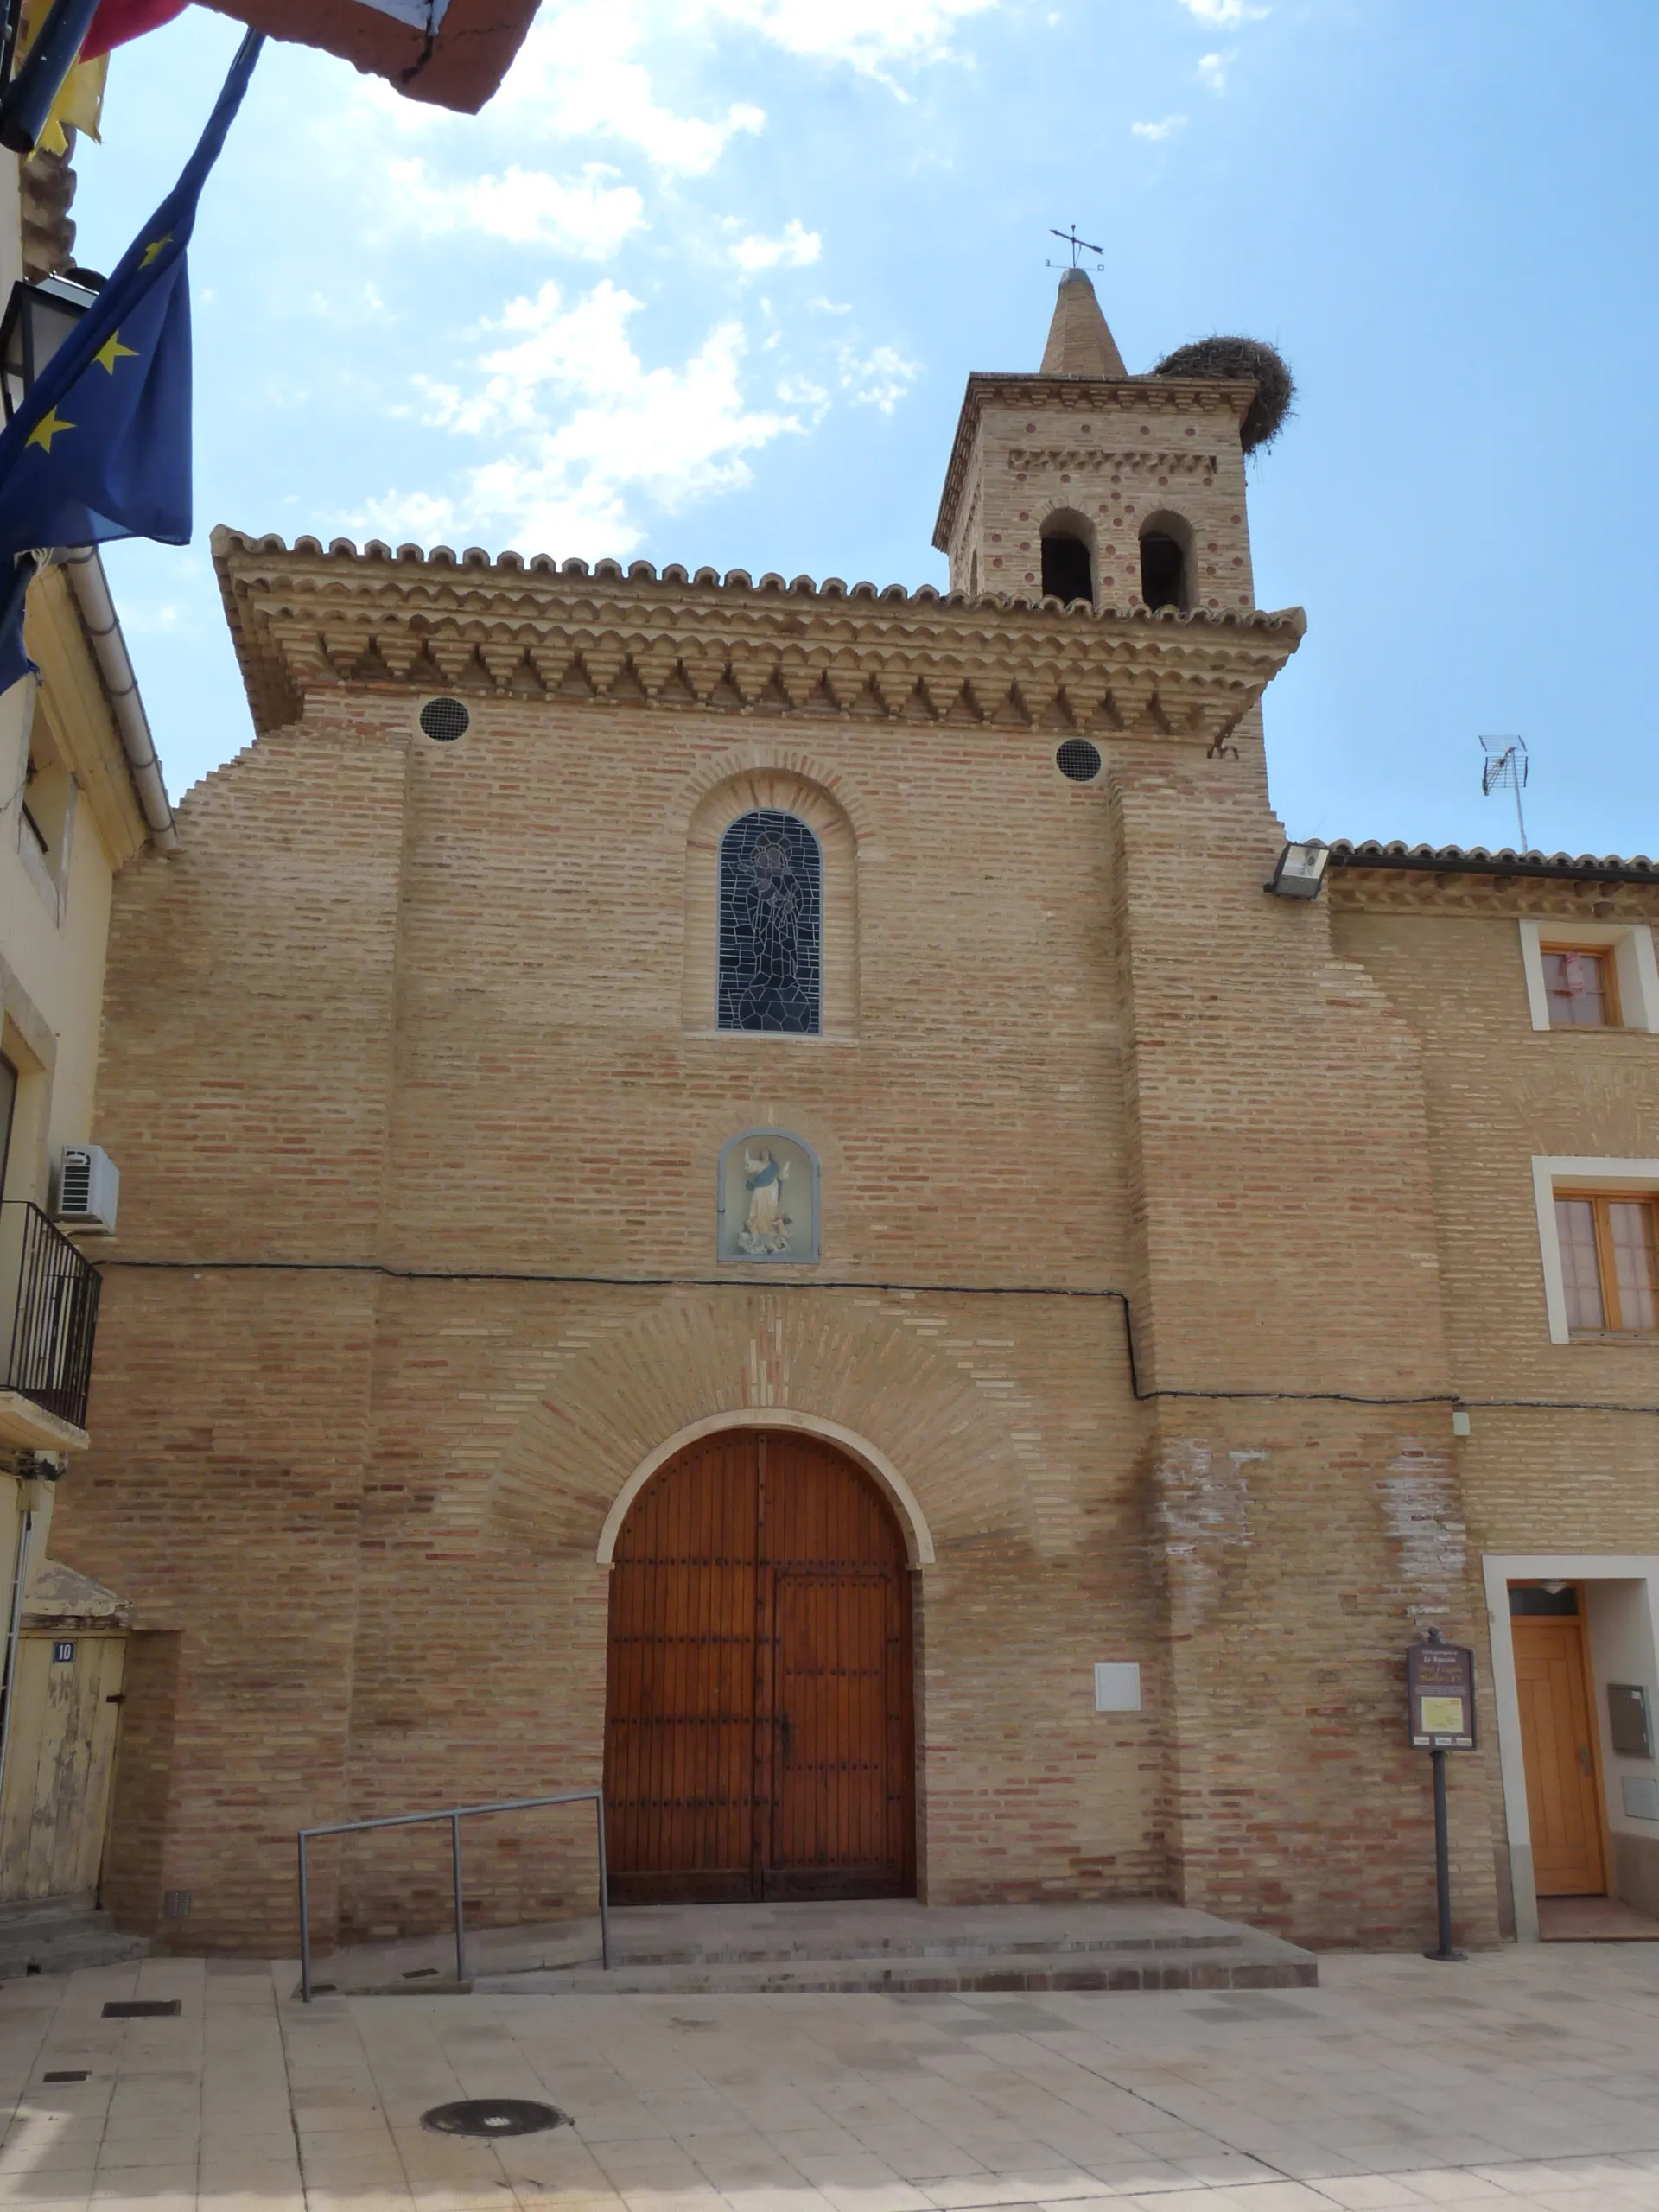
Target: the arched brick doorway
(758, 1729)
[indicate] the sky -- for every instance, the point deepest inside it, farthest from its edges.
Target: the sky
(704, 280)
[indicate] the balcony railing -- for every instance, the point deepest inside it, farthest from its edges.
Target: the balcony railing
(48, 1301)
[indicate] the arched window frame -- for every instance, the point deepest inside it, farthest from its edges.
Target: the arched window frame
(739, 787)
(1071, 522)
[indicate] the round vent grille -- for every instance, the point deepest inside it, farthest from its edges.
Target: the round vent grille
(488, 2116)
(444, 720)
(1079, 759)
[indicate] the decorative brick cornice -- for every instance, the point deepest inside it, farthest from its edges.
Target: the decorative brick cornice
(1133, 458)
(1541, 898)
(306, 620)
(1170, 397)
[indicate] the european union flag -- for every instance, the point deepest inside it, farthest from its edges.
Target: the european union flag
(101, 447)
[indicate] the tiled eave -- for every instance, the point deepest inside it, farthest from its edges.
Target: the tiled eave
(1174, 395)
(307, 621)
(1454, 860)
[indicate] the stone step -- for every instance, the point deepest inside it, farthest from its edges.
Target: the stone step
(48, 1942)
(886, 1943)
(626, 1948)
(665, 1936)
(1264, 1966)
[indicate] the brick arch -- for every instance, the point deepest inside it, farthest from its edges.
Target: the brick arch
(739, 761)
(790, 791)
(925, 1415)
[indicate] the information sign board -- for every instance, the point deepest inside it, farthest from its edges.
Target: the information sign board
(1440, 1696)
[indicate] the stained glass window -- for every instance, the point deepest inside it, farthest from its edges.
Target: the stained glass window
(770, 877)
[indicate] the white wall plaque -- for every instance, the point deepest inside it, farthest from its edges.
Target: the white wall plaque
(1117, 1686)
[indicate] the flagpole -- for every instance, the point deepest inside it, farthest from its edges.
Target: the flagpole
(26, 101)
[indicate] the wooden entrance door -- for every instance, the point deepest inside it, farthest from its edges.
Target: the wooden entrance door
(1563, 1793)
(759, 1736)
(59, 1764)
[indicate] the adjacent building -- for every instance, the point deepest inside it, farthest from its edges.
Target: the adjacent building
(81, 795)
(735, 1186)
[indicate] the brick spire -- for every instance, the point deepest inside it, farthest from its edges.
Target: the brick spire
(1079, 342)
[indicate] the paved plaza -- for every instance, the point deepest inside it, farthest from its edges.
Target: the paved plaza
(1523, 2077)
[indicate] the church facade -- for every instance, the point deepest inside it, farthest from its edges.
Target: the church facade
(735, 1187)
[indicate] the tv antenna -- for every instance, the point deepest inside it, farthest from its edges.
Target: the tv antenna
(1078, 245)
(1506, 770)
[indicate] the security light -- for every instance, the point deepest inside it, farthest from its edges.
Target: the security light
(1300, 870)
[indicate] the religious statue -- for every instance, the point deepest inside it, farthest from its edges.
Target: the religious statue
(766, 1226)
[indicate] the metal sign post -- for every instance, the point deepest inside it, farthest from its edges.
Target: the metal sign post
(1440, 1717)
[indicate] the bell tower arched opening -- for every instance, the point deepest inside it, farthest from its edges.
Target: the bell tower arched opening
(1166, 562)
(1068, 544)
(760, 1733)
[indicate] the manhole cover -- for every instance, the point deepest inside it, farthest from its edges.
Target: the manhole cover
(493, 2116)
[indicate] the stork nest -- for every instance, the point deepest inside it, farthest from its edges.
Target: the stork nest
(1241, 360)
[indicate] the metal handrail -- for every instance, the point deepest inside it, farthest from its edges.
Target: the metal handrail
(455, 1815)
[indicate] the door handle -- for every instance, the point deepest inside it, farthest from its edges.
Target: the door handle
(1584, 1759)
(788, 1736)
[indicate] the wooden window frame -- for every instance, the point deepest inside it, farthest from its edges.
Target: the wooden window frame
(1629, 949)
(1606, 1268)
(1605, 957)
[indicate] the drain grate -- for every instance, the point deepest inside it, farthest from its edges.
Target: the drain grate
(142, 2008)
(66, 2073)
(489, 2116)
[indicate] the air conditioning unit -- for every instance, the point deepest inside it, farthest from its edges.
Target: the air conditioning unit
(89, 1188)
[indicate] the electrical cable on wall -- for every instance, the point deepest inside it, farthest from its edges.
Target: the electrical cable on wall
(1449, 1398)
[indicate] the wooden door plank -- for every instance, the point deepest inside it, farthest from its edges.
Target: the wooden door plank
(679, 1719)
(111, 1675)
(29, 1725)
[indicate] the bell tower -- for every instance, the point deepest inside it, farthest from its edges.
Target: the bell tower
(1082, 481)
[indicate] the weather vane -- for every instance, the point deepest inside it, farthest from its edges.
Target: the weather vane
(1078, 245)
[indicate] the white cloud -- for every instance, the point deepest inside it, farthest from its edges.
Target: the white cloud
(1225, 14)
(581, 430)
(1212, 72)
(880, 378)
(589, 216)
(797, 248)
(870, 35)
(577, 76)
(1159, 131)
(806, 392)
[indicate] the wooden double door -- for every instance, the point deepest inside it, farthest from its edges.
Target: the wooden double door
(759, 1730)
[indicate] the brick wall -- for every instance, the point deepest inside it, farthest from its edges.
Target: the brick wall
(1534, 1478)
(408, 1069)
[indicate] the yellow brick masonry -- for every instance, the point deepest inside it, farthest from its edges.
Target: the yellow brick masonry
(403, 1024)
(1497, 1093)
